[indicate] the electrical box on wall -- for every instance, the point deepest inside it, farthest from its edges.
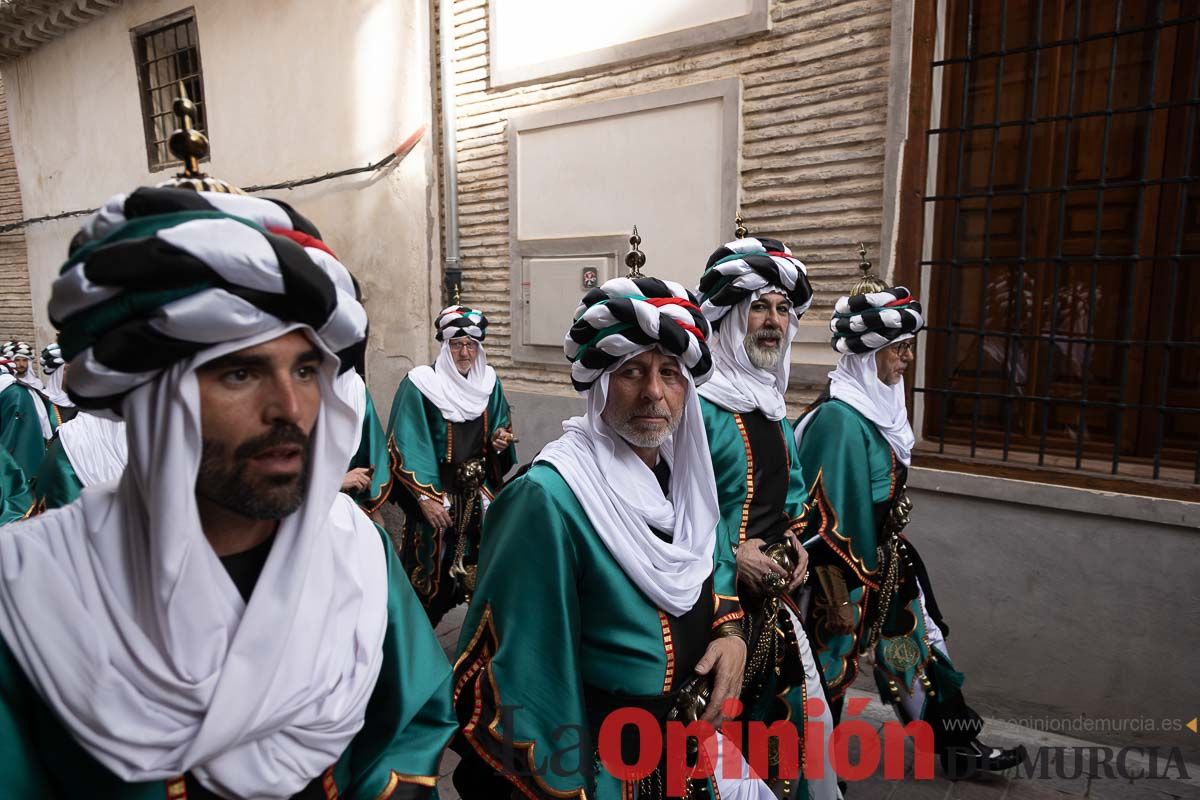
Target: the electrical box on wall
(554, 286)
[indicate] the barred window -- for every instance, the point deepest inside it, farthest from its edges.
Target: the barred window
(1063, 245)
(167, 52)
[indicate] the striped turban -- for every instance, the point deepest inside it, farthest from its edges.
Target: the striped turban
(159, 275)
(627, 315)
(16, 349)
(51, 358)
(867, 322)
(737, 270)
(457, 321)
(7, 368)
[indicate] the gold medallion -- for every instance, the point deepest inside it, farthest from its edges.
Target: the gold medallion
(901, 653)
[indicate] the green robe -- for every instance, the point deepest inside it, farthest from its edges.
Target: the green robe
(56, 483)
(373, 454)
(555, 616)
(854, 478)
(16, 501)
(20, 430)
(395, 756)
(419, 444)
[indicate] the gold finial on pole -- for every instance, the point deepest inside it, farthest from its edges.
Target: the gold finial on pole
(635, 259)
(740, 232)
(186, 143)
(867, 283)
(457, 294)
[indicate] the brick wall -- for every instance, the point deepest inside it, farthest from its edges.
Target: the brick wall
(814, 117)
(16, 309)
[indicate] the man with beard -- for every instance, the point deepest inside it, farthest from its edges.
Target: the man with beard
(220, 622)
(21, 426)
(450, 438)
(872, 595)
(753, 292)
(597, 587)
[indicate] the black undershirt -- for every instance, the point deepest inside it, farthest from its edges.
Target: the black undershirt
(767, 518)
(244, 569)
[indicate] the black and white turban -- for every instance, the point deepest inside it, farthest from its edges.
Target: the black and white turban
(735, 271)
(51, 358)
(626, 315)
(16, 349)
(7, 368)
(457, 321)
(866, 322)
(158, 275)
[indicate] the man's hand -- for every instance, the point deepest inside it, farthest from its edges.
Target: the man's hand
(726, 659)
(753, 564)
(435, 514)
(357, 480)
(800, 573)
(501, 439)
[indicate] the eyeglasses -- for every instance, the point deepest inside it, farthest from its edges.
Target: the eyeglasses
(906, 348)
(467, 345)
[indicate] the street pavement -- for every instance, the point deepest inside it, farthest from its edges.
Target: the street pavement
(1061, 781)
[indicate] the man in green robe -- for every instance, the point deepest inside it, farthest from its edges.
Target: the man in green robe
(872, 595)
(451, 443)
(598, 586)
(753, 292)
(20, 425)
(221, 622)
(16, 501)
(20, 354)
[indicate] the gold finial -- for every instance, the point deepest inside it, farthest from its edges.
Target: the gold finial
(186, 143)
(635, 259)
(867, 283)
(740, 231)
(457, 294)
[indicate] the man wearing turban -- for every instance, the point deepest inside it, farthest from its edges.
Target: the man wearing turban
(597, 583)
(23, 425)
(753, 292)
(451, 443)
(220, 622)
(58, 403)
(872, 595)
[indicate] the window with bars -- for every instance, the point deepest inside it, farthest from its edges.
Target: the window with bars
(1063, 263)
(167, 53)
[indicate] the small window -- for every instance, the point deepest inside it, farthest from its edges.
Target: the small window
(167, 52)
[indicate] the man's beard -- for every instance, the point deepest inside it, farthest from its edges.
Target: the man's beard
(644, 437)
(765, 358)
(222, 478)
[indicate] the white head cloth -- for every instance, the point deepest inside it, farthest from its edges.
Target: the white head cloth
(736, 384)
(96, 447)
(54, 389)
(127, 624)
(37, 391)
(855, 382)
(459, 397)
(623, 499)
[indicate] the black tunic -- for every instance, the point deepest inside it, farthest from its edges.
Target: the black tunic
(766, 517)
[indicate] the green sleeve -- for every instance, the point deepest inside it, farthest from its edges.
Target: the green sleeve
(20, 430)
(416, 437)
(500, 416)
(56, 483)
(373, 454)
(520, 646)
(409, 719)
(16, 501)
(20, 759)
(796, 505)
(835, 458)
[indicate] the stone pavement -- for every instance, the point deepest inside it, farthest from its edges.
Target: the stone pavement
(1071, 770)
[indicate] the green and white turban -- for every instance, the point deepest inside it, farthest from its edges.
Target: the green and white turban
(745, 268)
(459, 320)
(51, 358)
(867, 322)
(156, 276)
(16, 349)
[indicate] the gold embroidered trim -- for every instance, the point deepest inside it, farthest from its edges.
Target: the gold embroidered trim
(741, 426)
(669, 649)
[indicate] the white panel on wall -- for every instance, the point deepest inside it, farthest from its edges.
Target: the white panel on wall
(531, 39)
(555, 286)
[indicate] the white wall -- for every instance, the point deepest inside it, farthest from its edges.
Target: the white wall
(293, 89)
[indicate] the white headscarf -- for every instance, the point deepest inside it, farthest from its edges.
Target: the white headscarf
(353, 389)
(37, 391)
(96, 447)
(855, 382)
(54, 389)
(623, 499)
(123, 618)
(459, 397)
(736, 384)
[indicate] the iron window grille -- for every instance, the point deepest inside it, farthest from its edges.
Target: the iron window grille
(1064, 263)
(167, 52)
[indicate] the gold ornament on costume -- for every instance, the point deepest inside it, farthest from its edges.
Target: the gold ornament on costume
(868, 283)
(740, 231)
(190, 146)
(635, 259)
(901, 653)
